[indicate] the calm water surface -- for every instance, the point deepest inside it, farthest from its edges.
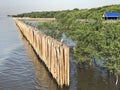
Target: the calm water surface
(20, 68)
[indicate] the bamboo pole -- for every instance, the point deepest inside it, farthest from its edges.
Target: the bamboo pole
(66, 64)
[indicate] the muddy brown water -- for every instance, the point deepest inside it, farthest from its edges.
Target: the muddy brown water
(21, 69)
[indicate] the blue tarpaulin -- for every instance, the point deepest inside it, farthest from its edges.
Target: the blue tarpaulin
(111, 14)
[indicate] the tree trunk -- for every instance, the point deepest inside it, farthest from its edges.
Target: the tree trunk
(90, 63)
(80, 65)
(117, 79)
(108, 73)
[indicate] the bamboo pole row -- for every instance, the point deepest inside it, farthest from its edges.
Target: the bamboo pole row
(37, 19)
(53, 53)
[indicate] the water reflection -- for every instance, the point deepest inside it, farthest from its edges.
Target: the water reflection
(92, 79)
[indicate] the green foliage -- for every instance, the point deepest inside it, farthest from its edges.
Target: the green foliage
(94, 36)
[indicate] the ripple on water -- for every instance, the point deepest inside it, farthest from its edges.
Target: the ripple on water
(16, 72)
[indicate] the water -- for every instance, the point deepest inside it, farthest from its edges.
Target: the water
(20, 69)
(16, 72)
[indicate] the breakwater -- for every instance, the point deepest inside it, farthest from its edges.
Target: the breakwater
(54, 55)
(37, 19)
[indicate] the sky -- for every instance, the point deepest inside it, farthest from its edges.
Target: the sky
(21, 6)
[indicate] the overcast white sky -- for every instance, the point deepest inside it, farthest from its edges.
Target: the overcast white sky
(20, 6)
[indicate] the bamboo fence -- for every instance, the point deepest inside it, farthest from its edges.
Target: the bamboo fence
(52, 53)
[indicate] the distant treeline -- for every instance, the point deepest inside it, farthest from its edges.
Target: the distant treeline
(94, 13)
